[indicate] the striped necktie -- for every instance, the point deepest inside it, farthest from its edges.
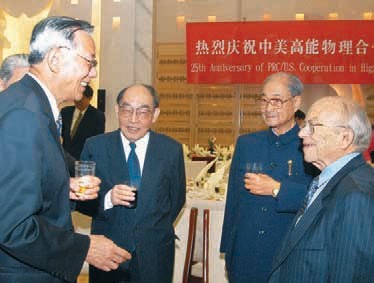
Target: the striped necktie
(133, 165)
(59, 124)
(308, 198)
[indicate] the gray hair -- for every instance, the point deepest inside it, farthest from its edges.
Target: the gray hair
(151, 90)
(11, 63)
(295, 86)
(354, 117)
(54, 32)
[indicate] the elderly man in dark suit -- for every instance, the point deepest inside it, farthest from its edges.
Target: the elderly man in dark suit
(80, 122)
(147, 230)
(331, 239)
(37, 242)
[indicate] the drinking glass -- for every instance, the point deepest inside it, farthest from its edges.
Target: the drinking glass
(83, 171)
(134, 187)
(254, 167)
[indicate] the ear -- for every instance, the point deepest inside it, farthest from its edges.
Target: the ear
(116, 109)
(53, 59)
(155, 115)
(347, 137)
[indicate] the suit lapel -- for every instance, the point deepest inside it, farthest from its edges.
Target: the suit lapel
(294, 234)
(152, 160)
(45, 107)
(117, 159)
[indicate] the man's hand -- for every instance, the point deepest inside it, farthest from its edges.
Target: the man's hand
(260, 184)
(90, 193)
(104, 254)
(122, 195)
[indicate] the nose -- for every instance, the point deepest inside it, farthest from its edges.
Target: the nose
(93, 72)
(303, 132)
(133, 117)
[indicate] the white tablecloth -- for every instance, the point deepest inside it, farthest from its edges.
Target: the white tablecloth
(216, 260)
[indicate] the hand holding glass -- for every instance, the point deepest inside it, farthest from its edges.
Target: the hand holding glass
(83, 171)
(254, 167)
(134, 188)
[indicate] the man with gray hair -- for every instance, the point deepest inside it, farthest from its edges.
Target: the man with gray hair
(13, 68)
(331, 238)
(262, 203)
(37, 241)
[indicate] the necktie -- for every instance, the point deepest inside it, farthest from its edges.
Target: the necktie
(309, 195)
(133, 165)
(59, 124)
(76, 124)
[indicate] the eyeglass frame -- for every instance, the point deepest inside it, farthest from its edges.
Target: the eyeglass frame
(141, 113)
(272, 101)
(91, 62)
(308, 127)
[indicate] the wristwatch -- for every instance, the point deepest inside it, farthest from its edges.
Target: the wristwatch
(275, 192)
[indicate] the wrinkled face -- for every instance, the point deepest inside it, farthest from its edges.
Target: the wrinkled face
(77, 68)
(322, 135)
(280, 116)
(136, 113)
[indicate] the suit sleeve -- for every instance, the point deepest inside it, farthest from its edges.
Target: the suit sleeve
(179, 184)
(352, 250)
(36, 225)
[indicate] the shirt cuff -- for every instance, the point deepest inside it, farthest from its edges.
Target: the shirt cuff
(107, 201)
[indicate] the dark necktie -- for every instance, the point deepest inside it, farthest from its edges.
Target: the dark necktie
(133, 164)
(308, 198)
(76, 124)
(59, 124)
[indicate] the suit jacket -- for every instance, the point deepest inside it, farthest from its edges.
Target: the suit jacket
(92, 124)
(254, 225)
(149, 228)
(37, 243)
(333, 241)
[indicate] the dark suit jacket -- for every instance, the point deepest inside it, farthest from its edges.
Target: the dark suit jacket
(37, 243)
(92, 124)
(333, 241)
(149, 227)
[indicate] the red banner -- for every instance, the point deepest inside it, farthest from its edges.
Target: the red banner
(247, 52)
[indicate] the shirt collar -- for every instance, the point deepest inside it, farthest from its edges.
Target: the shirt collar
(140, 143)
(285, 138)
(330, 170)
(51, 98)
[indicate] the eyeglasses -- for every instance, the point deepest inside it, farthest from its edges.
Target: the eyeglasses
(141, 113)
(91, 62)
(274, 102)
(309, 127)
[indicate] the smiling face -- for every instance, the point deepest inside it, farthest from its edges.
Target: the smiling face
(136, 113)
(74, 70)
(280, 119)
(325, 138)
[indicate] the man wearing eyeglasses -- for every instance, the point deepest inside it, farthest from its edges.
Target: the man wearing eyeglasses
(37, 241)
(331, 238)
(147, 229)
(260, 206)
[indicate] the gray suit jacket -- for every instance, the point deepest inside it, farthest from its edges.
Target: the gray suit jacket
(333, 241)
(37, 243)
